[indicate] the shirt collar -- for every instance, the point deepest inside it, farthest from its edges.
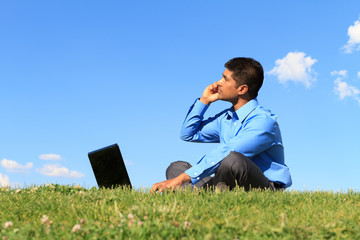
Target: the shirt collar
(245, 110)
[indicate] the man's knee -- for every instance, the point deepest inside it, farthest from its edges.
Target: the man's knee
(176, 168)
(234, 162)
(179, 164)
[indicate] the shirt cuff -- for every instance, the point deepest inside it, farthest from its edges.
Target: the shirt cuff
(194, 172)
(199, 107)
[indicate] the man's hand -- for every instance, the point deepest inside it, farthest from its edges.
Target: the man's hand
(171, 184)
(211, 93)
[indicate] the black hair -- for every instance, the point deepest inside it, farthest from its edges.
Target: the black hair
(247, 71)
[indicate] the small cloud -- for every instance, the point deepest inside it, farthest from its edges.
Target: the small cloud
(354, 38)
(13, 166)
(50, 156)
(4, 180)
(295, 67)
(341, 73)
(342, 88)
(56, 170)
(358, 74)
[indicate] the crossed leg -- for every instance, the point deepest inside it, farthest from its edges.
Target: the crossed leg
(234, 170)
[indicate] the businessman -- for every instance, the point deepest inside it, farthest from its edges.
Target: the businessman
(250, 152)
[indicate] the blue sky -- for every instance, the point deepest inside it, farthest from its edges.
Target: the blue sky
(76, 76)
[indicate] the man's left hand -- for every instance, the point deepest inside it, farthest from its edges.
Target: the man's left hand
(171, 184)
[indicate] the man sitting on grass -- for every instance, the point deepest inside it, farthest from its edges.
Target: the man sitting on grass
(250, 153)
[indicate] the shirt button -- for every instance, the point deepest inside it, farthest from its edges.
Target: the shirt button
(197, 178)
(212, 163)
(195, 174)
(235, 124)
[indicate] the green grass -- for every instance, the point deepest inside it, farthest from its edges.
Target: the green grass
(137, 214)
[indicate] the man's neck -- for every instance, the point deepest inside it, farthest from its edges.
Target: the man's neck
(241, 102)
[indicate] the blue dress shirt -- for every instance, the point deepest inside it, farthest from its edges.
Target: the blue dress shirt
(251, 130)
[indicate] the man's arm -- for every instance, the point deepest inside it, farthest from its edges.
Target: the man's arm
(194, 129)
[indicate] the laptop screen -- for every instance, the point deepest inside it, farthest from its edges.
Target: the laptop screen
(109, 167)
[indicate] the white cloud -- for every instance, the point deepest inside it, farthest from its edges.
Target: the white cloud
(358, 74)
(13, 166)
(56, 170)
(4, 180)
(50, 156)
(354, 38)
(342, 88)
(341, 73)
(296, 67)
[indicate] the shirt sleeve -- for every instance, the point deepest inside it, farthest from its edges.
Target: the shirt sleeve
(194, 129)
(257, 135)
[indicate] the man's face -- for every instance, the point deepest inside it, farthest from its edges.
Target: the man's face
(228, 87)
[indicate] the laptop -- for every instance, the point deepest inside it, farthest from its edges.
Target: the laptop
(109, 167)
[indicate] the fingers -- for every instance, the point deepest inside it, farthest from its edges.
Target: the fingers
(170, 184)
(214, 87)
(155, 188)
(161, 187)
(158, 188)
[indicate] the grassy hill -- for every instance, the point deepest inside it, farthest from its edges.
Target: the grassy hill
(72, 212)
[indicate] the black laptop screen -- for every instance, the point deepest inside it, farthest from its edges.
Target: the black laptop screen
(109, 168)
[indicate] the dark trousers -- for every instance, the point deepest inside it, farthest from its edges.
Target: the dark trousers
(234, 170)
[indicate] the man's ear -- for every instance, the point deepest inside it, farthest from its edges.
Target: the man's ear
(242, 89)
